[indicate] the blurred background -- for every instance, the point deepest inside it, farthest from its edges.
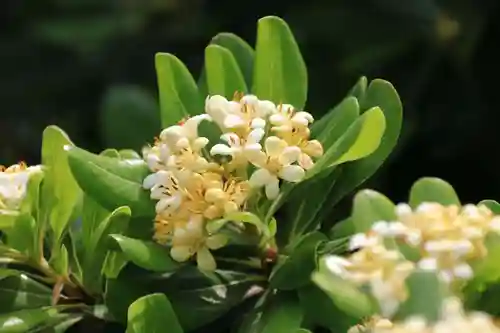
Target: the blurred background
(87, 66)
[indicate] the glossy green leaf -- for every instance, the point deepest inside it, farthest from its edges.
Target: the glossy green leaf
(92, 215)
(426, 294)
(295, 270)
(18, 291)
(329, 128)
(60, 261)
(179, 96)
(369, 137)
(27, 320)
(241, 50)
(146, 254)
(60, 191)
(152, 314)
(321, 310)
(369, 207)
(22, 236)
(359, 89)
(432, 190)
(113, 264)
(360, 140)
(382, 94)
(278, 314)
(197, 298)
(341, 229)
(486, 270)
(224, 77)
(112, 182)
(8, 218)
(493, 205)
(129, 154)
(116, 222)
(346, 296)
(280, 74)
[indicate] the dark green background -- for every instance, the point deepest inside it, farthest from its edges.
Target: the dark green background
(80, 63)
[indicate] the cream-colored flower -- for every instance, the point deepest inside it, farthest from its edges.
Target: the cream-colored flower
(179, 137)
(237, 148)
(192, 240)
(165, 188)
(226, 198)
(287, 116)
(156, 156)
(13, 184)
(275, 164)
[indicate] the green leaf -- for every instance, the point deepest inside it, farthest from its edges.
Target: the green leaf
(278, 314)
(146, 254)
(27, 320)
(241, 50)
(321, 310)
(280, 74)
(486, 270)
(60, 261)
(295, 270)
(493, 205)
(382, 94)
(224, 77)
(128, 117)
(341, 229)
(359, 89)
(113, 264)
(18, 291)
(426, 295)
(22, 236)
(60, 191)
(369, 207)
(95, 255)
(179, 97)
(360, 140)
(346, 296)
(92, 215)
(129, 154)
(8, 218)
(329, 128)
(112, 182)
(369, 137)
(197, 298)
(152, 314)
(432, 190)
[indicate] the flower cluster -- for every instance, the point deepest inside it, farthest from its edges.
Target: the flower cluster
(453, 319)
(13, 184)
(446, 237)
(196, 181)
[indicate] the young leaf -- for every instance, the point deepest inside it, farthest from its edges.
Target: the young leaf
(278, 314)
(359, 89)
(147, 255)
(113, 264)
(342, 229)
(280, 74)
(60, 191)
(432, 190)
(382, 94)
(369, 207)
(111, 182)
(22, 236)
(224, 77)
(8, 218)
(425, 298)
(179, 96)
(151, 314)
(360, 140)
(295, 271)
(28, 320)
(329, 128)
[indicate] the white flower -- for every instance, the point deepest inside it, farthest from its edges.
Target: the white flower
(361, 240)
(165, 188)
(181, 136)
(275, 163)
(403, 209)
(289, 117)
(218, 107)
(13, 184)
(337, 265)
(389, 229)
(156, 157)
(237, 148)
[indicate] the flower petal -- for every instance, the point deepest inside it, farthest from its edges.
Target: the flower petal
(273, 189)
(277, 119)
(254, 154)
(150, 181)
(258, 123)
(216, 241)
(255, 135)
(205, 260)
(290, 155)
(232, 139)
(265, 108)
(199, 143)
(274, 146)
(292, 173)
(260, 178)
(220, 149)
(305, 161)
(313, 148)
(214, 194)
(180, 253)
(234, 121)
